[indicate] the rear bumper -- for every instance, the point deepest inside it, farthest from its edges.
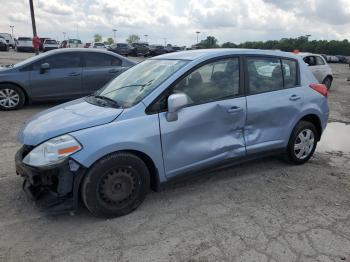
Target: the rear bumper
(25, 49)
(54, 189)
(49, 48)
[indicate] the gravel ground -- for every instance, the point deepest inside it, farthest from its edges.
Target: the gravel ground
(265, 210)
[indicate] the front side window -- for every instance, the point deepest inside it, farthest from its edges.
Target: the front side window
(100, 60)
(214, 81)
(264, 75)
(133, 85)
(310, 60)
(60, 61)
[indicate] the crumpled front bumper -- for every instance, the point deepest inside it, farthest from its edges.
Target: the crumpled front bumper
(54, 189)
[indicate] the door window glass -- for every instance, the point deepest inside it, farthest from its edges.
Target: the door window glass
(310, 60)
(290, 73)
(59, 61)
(213, 81)
(264, 75)
(100, 60)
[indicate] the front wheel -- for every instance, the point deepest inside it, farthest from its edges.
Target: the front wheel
(302, 143)
(11, 97)
(115, 185)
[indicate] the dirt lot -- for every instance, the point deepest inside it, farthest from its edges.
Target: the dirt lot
(266, 210)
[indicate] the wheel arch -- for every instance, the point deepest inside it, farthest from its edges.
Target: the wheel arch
(26, 96)
(315, 120)
(154, 174)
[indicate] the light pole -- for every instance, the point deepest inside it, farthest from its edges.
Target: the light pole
(114, 33)
(64, 35)
(164, 41)
(146, 37)
(33, 23)
(12, 26)
(197, 35)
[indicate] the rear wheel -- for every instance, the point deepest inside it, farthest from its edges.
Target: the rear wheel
(116, 185)
(302, 143)
(327, 82)
(11, 97)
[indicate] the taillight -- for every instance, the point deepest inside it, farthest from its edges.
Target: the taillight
(321, 88)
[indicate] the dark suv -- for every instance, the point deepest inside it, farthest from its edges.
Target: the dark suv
(138, 49)
(120, 48)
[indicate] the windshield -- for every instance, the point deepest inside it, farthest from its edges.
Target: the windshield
(99, 44)
(136, 83)
(122, 45)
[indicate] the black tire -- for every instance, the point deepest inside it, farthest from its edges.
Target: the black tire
(292, 154)
(5, 89)
(110, 179)
(327, 82)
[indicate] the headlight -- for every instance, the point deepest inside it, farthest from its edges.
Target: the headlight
(52, 151)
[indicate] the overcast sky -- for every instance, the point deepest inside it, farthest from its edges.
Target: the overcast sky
(178, 20)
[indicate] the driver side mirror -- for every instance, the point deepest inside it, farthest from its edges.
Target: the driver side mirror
(175, 103)
(44, 67)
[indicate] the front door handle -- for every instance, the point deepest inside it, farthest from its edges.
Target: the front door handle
(113, 71)
(294, 97)
(234, 109)
(74, 74)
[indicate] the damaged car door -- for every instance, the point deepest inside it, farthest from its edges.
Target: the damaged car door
(209, 127)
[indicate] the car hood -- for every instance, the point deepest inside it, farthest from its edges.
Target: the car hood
(65, 118)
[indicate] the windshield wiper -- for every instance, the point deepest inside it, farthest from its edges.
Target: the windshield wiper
(140, 85)
(105, 98)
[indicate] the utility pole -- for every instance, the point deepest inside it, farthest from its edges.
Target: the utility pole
(33, 23)
(197, 35)
(12, 26)
(114, 33)
(146, 37)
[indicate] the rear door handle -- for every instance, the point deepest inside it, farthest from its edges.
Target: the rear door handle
(294, 97)
(234, 109)
(74, 74)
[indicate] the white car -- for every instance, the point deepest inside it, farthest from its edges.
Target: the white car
(319, 67)
(24, 44)
(98, 45)
(9, 40)
(50, 44)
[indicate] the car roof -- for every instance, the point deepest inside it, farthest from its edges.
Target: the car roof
(209, 53)
(303, 54)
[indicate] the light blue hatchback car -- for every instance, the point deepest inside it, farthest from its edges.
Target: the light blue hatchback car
(169, 117)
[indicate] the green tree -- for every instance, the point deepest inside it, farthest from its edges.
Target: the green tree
(133, 39)
(229, 45)
(97, 38)
(110, 40)
(209, 42)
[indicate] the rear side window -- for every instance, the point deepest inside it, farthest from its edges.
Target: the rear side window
(101, 60)
(290, 73)
(264, 74)
(319, 60)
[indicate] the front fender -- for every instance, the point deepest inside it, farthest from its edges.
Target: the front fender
(138, 134)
